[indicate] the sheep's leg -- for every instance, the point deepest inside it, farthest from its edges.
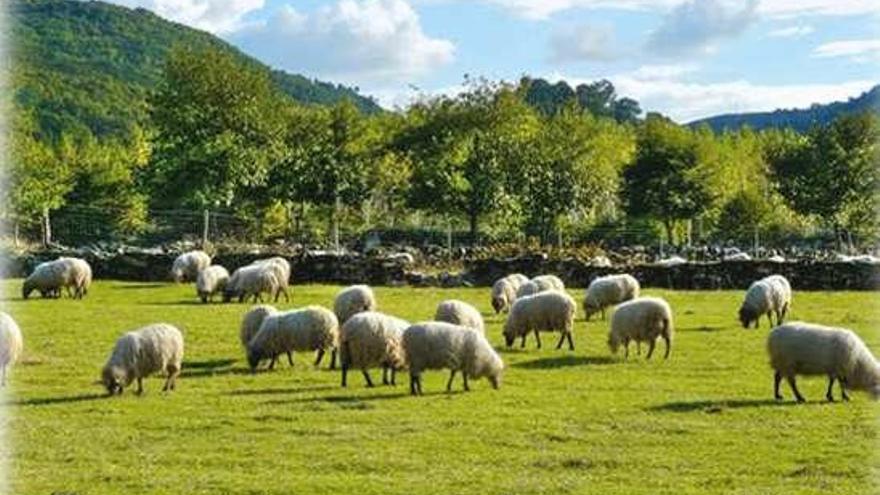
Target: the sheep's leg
(538, 338)
(668, 345)
(140, 389)
(828, 394)
(412, 384)
(777, 379)
(651, 344)
(286, 296)
(272, 363)
(842, 382)
(385, 375)
(793, 384)
(344, 375)
(639, 347)
(626, 349)
(561, 341)
(770, 318)
(367, 378)
(570, 342)
(522, 344)
(290, 357)
(467, 388)
(333, 358)
(449, 383)
(319, 356)
(393, 376)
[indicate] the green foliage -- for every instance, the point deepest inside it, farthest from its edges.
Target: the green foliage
(703, 422)
(599, 98)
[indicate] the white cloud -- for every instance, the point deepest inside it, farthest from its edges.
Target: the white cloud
(663, 72)
(354, 41)
(695, 27)
(583, 42)
(216, 16)
(686, 101)
(543, 9)
(856, 50)
(798, 31)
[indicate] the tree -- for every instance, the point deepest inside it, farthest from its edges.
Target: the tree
(832, 173)
(218, 125)
(663, 179)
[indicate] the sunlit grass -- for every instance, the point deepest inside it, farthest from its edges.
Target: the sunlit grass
(562, 422)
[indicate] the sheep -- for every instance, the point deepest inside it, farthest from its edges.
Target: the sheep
(549, 311)
(504, 291)
(370, 339)
(642, 320)
(766, 296)
(187, 266)
(609, 291)
(210, 281)
(540, 284)
(353, 300)
(251, 321)
(142, 352)
(11, 344)
(251, 281)
(281, 268)
(799, 348)
(312, 328)
(64, 273)
(460, 313)
(441, 345)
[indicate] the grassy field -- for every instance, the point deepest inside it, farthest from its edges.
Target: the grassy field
(562, 422)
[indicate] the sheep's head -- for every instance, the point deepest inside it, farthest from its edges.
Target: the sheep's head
(613, 343)
(509, 334)
(746, 316)
(228, 294)
(590, 308)
(177, 275)
(113, 378)
(26, 289)
(498, 304)
(254, 356)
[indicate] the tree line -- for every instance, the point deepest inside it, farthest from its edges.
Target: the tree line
(509, 161)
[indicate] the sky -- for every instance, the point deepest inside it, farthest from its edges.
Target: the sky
(688, 59)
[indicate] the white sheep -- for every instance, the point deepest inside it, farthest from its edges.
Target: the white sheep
(187, 266)
(352, 300)
(281, 268)
(540, 284)
(460, 313)
(608, 291)
(312, 328)
(142, 352)
(641, 320)
(51, 277)
(210, 281)
(504, 291)
(251, 281)
(799, 348)
(251, 321)
(81, 274)
(766, 296)
(11, 344)
(441, 345)
(550, 311)
(369, 340)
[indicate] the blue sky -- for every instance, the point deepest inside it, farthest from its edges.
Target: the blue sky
(685, 58)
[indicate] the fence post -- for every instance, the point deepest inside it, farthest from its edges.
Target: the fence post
(690, 229)
(206, 220)
(336, 207)
(756, 245)
(47, 228)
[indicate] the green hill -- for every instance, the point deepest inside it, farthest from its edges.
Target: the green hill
(797, 119)
(90, 65)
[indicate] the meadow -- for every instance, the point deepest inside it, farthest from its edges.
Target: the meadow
(579, 421)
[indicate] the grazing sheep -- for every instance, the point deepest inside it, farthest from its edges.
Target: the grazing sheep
(642, 320)
(766, 296)
(140, 353)
(460, 313)
(251, 281)
(352, 300)
(609, 291)
(51, 277)
(441, 345)
(312, 328)
(210, 281)
(251, 321)
(800, 348)
(11, 345)
(281, 268)
(538, 284)
(369, 340)
(504, 291)
(551, 311)
(187, 266)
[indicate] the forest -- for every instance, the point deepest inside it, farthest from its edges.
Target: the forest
(500, 161)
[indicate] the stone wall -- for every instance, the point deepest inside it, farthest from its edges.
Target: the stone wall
(354, 268)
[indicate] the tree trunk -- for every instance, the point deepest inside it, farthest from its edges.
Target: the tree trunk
(47, 228)
(669, 225)
(474, 227)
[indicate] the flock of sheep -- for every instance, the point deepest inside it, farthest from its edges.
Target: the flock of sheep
(366, 339)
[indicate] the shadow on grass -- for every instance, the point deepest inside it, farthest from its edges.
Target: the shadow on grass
(702, 328)
(564, 362)
(714, 406)
(348, 401)
(48, 401)
(195, 301)
(154, 285)
(212, 367)
(210, 364)
(281, 391)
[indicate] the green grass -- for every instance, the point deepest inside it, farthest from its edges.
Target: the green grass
(562, 422)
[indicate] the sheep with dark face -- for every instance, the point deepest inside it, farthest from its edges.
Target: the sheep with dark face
(504, 291)
(371, 340)
(140, 353)
(312, 328)
(609, 291)
(766, 296)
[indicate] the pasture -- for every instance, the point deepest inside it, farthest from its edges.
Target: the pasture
(563, 421)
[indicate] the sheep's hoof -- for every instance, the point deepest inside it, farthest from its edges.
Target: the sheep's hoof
(777, 397)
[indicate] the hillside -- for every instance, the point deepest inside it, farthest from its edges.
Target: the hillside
(798, 119)
(91, 65)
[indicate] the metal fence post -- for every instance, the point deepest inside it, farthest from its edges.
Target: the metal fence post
(47, 228)
(206, 220)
